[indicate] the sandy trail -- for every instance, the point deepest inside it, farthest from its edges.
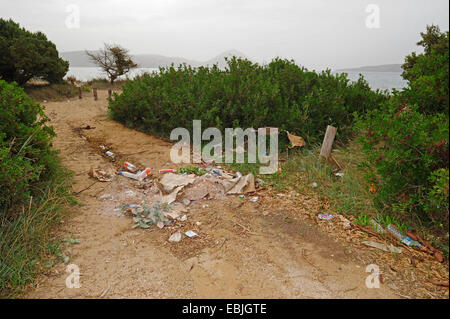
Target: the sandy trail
(240, 253)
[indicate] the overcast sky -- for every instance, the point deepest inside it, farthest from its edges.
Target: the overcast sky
(316, 33)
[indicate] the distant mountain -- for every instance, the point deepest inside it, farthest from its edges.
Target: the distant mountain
(376, 68)
(80, 59)
(220, 59)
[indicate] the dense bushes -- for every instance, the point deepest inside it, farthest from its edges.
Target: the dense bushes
(24, 55)
(245, 94)
(406, 139)
(26, 157)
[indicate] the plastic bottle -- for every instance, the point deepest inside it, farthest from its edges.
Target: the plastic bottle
(402, 237)
(128, 174)
(140, 176)
(130, 167)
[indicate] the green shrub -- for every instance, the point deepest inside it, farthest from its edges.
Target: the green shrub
(405, 147)
(406, 139)
(245, 94)
(26, 157)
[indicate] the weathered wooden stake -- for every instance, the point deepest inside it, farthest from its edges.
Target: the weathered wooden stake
(328, 141)
(79, 92)
(109, 93)
(95, 93)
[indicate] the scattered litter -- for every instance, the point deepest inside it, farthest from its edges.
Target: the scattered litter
(245, 184)
(175, 238)
(109, 153)
(167, 170)
(183, 218)
(146, 215)
(204, 206)
(103, 147)
(325, 216)
(254, 199)
(171, 181)
(314, 185)
(106, 196)
(265, 213)
(129, 175)
(217, 172)
(339, 174)
(238, 174)
(102, 174)
(378, 228)
(191, 234)
(241, 196)
(130, 167)
(160, 225)
(390, 248)
(402, 237)
(172, 196)
(71, 240)
(296, 141)
(198, 223)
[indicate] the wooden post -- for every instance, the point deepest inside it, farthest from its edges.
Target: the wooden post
(109, 93)
(79, 92)
(69, 92)
(328, 141)
(95, 93)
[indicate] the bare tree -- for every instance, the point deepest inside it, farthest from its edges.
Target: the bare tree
(114, 60)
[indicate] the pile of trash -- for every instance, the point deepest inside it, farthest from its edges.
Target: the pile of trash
(167, 198)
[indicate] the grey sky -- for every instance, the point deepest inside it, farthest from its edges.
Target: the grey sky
(316, 33)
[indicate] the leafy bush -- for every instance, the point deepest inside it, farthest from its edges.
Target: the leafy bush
(406, 139)
(245, 94)
(26, 157)
(24, 55)
(405, 147)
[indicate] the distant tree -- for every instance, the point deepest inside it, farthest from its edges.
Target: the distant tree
(24, 55)
(114, 60)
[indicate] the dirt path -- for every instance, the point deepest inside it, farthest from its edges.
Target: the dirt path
(240, 253)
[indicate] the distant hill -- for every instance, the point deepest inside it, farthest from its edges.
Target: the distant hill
(376, 68)
(80, 59)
